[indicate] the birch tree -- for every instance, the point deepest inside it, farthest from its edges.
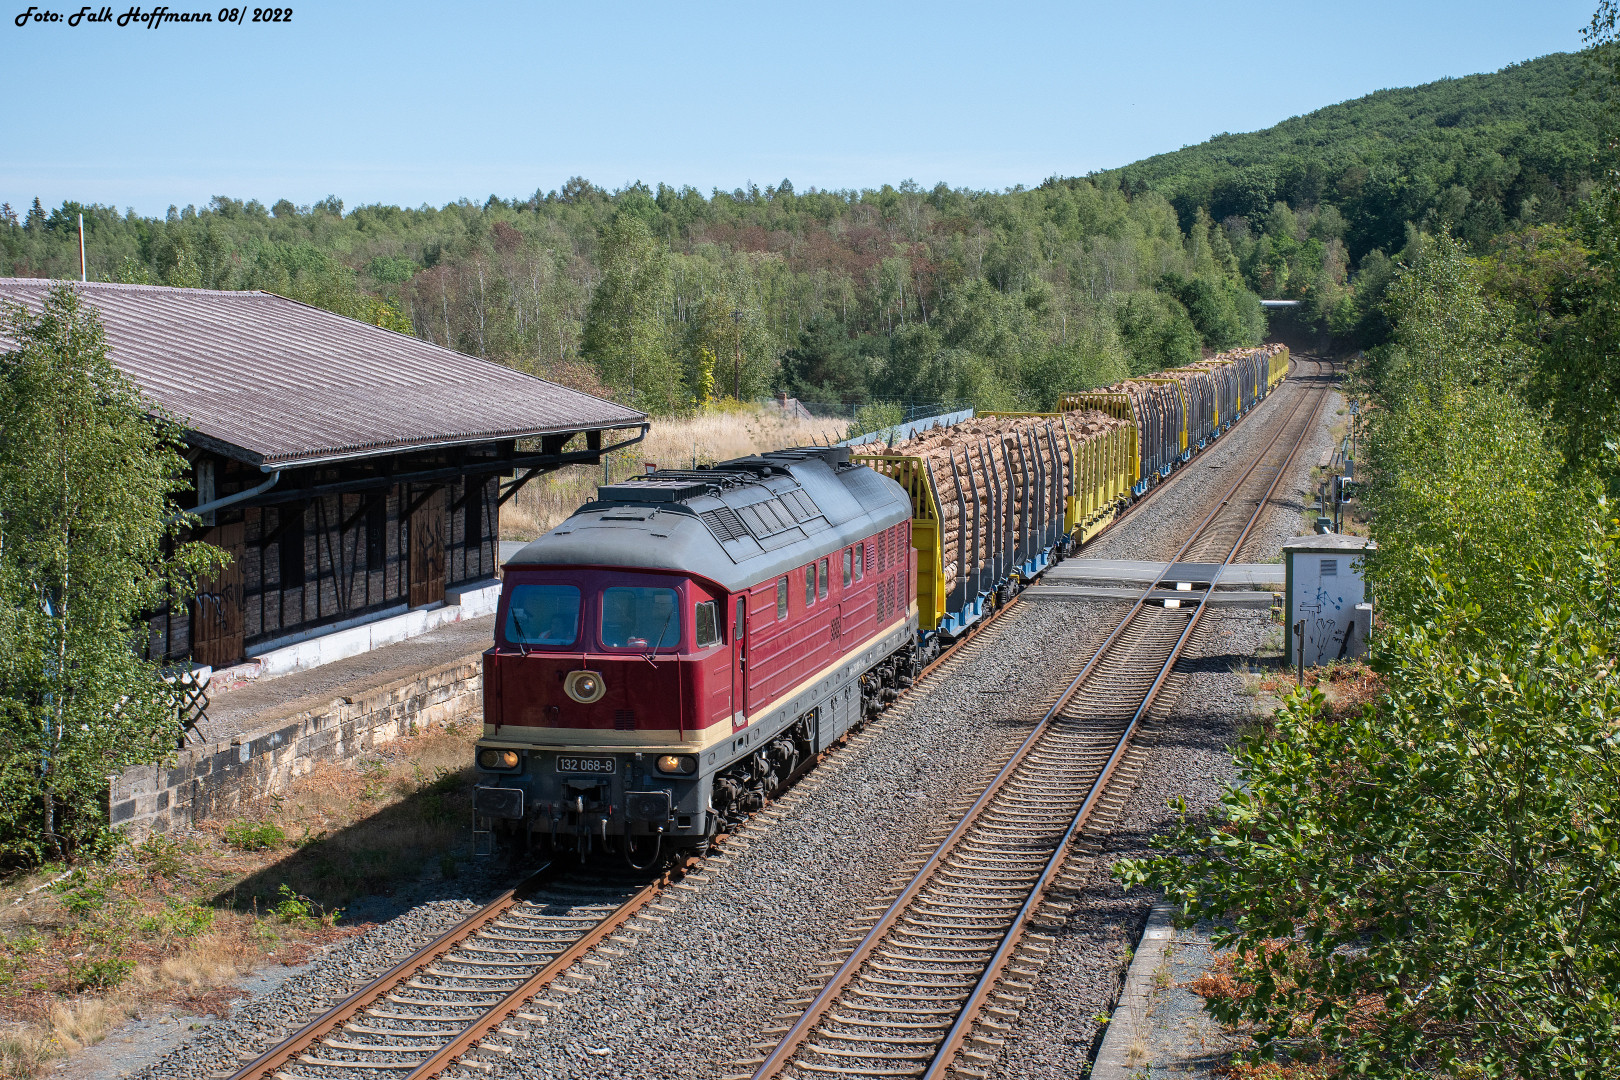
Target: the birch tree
(89, 540)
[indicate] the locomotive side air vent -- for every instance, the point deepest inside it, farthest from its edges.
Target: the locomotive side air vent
(724, 523)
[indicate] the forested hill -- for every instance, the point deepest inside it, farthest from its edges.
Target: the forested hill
(665, 297)
(668, 297)
(1484, 151)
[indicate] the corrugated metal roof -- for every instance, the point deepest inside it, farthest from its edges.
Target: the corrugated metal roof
(289, 384)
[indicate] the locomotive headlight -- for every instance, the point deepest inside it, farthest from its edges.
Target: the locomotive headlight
(677, 764)
(584, 686)
(498, 759)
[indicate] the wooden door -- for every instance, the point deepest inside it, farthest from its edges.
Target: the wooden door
(427, 551)
(216, 614)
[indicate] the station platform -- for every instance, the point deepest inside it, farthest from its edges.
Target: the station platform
(251, 705)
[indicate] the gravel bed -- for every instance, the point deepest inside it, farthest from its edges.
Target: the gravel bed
(1156, 529)
(1056, 1031)
(734, 948)
(343, 968)
(1283, 519)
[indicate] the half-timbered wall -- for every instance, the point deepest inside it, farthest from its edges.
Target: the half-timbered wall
(352, 559)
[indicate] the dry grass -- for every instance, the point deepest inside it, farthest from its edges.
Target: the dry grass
(1272, 1070)
(176, 921)
(672, 443)
(1347, 684)
(1250, 681)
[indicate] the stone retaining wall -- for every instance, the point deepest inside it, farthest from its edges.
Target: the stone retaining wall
(203, 781)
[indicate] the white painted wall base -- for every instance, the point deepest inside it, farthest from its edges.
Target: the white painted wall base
(461, 602)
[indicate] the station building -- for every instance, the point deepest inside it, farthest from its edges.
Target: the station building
(354, 474)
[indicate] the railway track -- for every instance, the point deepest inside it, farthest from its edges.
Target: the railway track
(1226, 536)
(926, 989)
(468, 996)
(468, 987)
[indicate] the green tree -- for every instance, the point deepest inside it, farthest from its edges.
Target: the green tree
(1430, 885)
(825, 364)
(741, 352)
(627, 333)
(1225, 313)
(1156, 331)
(87, 481)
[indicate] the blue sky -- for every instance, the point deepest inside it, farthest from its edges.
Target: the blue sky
(411, 102)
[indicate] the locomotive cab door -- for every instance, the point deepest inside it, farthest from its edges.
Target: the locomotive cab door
(739, 665)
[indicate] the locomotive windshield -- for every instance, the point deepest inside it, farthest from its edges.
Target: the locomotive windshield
(545, 616)
(640, 618)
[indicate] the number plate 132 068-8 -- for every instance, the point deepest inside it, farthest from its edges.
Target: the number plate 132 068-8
(599, 765)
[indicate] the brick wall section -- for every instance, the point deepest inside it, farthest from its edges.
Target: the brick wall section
(204, 781)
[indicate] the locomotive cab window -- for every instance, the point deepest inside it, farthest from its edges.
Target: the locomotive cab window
(860, 559)
(821, 587)
(543, 616)
(706, 624)
(849, 566)
(781, 597)
(640, 618)
(809, 584)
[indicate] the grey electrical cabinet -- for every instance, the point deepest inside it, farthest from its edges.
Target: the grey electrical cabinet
(1325, 589)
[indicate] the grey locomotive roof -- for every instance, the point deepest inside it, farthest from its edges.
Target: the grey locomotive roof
(277, 383)
(737, 524)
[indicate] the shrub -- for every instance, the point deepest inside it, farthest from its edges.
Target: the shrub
(254, 835)
(179, 921)
(102, 974)
(295, 908)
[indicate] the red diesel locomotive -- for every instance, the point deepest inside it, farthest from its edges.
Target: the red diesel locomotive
(676, 650)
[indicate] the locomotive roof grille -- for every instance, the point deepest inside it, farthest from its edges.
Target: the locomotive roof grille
(653, 488)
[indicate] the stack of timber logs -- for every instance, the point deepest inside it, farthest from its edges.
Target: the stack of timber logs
(1004, 479)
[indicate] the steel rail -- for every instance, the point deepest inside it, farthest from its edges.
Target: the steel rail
(265, 1065)
(287, 1052)
(514, 1000)
(798, 1034)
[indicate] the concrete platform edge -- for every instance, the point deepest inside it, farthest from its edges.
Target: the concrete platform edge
(1121, 1056)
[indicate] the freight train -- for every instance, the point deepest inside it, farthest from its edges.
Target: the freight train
(682, 646)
